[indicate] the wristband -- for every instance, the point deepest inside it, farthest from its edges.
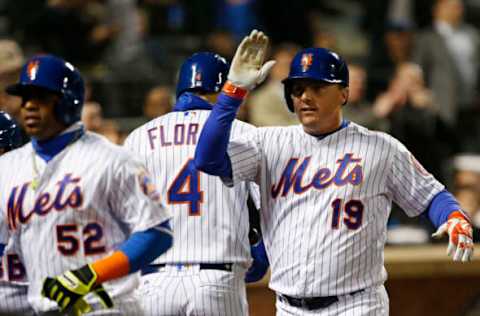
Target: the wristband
(233, 91)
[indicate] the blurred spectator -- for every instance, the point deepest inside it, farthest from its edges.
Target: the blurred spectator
(11, 61)
(411, 110)
(467, 184)
(467, 192)
(159, 101)
(111, 131)
(449, 54)
(266, 104)
(222, 43)
(358, 109)
(324, 38)
(68, 28)
(92, 116)
(396, 48)
(131, 71)
(239, 17)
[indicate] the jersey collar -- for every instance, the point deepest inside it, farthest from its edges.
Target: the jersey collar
(50, 148)
(189, 101)
(344, 124)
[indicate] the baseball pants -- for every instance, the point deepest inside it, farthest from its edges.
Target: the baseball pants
(189, 290)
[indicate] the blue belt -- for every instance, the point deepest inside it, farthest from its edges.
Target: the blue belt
(154, 268)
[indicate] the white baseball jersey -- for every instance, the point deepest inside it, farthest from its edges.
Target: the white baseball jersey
(210, 223)
(325, 203)
(13, 280)
(89, 199)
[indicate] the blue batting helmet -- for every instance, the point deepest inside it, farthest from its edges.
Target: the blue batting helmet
(56, 75)
(10, 135)
(205, 72)
(317, 64)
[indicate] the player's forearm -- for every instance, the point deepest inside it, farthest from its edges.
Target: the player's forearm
(442, 205)
(136, 252)
(211, 152)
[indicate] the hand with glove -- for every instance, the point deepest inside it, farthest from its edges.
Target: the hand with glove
(259, 265)
(460, 240)
(69, 289)
(247, 69)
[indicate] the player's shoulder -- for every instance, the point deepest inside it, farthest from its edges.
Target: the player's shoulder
(102, 148)
(370, 136)
(289, 130)
(244, 126)
(17, 154)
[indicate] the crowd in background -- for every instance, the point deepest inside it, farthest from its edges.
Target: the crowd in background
(414, 67)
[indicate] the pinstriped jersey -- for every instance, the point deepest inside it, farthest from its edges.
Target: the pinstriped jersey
(325, 203)
(210, 222)
(13, 281)
(90, 197)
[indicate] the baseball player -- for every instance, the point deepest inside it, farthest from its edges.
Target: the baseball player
(82, 211)
(13, 281)
(203, 273)
(326, 186)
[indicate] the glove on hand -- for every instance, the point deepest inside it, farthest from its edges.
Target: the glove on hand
(260, 263)
(460, 240)
(69, 288)
(247, 69)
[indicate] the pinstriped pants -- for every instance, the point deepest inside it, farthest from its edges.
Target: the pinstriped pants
(193, 292)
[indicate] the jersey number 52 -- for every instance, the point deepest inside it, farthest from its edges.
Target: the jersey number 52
(70, 238)
(185, 189)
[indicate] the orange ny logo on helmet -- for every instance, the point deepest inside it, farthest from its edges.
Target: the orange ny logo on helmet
(307, 60)
(32, 69)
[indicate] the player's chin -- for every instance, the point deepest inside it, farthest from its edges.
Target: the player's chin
(33, 130)
(308, 117)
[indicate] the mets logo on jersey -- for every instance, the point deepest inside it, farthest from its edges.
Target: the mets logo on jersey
(307, 60)
(349, 171)
(67, 194)
(32, 69)
(147, 186)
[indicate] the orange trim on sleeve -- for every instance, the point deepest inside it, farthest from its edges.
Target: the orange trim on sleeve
(234, 91)
(112, 267)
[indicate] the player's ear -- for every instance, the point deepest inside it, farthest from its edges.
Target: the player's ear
(344, 95)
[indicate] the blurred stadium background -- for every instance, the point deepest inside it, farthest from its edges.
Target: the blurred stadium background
(413, 73)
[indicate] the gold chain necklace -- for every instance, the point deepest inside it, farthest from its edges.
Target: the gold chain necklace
(36, 177)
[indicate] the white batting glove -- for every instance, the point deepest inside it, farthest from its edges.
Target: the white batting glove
(460, 240)
(247, 69)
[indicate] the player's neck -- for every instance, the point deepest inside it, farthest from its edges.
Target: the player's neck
(51, 147)
(324, 127)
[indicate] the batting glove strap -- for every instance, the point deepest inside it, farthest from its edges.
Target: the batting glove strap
(460, 240)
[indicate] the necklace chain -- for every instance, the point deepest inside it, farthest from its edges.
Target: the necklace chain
(36, 177)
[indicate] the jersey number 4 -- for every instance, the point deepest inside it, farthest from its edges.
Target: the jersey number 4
(185, 189)
(352, 213)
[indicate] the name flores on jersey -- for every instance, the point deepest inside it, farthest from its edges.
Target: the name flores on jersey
(292, 176)
(183, 134)
(67, 194)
